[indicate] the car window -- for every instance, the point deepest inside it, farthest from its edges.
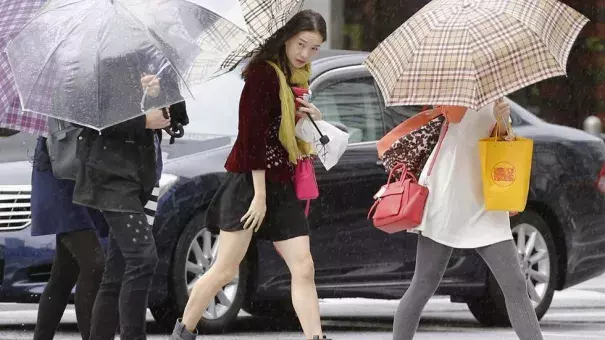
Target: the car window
(7, 132)
(352, 104)
(396, 115)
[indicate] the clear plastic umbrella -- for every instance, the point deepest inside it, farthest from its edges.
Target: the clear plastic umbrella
(101, 62)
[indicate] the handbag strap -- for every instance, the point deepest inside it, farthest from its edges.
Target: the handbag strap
(397, 167)
(433, 114)
(410, 124)
(405, 173)
(444, 129)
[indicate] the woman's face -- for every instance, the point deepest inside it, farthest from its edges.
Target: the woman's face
(302, 47)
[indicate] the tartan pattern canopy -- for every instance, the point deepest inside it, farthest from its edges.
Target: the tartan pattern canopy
(264, 18)
(472, 52)
(13, 16)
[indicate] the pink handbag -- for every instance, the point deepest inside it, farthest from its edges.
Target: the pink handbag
(305, 183)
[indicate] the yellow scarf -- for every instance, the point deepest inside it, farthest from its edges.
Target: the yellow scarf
(287, 134)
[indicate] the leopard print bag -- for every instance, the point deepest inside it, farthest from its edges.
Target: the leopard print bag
(414, 148)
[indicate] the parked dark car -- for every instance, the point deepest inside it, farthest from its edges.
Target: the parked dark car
(560, 237)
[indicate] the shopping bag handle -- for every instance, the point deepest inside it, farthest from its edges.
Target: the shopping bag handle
(509, 128)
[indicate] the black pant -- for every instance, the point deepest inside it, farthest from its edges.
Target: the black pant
(78, 259)
(129, 269)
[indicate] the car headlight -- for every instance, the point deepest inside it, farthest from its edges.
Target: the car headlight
(166, 182)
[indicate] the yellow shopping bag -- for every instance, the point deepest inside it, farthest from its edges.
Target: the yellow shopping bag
(506, 170)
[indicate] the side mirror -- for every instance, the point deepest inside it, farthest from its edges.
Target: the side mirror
(7, 132)
(339, 125)
(593, 125)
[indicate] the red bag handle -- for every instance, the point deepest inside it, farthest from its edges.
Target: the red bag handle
(444, 129)
(405, 174)
(373, 208)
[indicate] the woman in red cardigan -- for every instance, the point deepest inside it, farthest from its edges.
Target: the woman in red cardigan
(257, 197)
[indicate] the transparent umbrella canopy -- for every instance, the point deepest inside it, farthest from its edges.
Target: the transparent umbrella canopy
(101, 62)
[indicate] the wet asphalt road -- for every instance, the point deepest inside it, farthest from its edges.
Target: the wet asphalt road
(576, 314)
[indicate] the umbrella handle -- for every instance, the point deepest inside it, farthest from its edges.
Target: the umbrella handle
(175, 131)
(323, 139)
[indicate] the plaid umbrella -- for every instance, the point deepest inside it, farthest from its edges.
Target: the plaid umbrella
(13, 16)
(472, 52)
(264, 18)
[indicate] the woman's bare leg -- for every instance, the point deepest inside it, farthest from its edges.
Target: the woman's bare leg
(231, 251)
(297, 254)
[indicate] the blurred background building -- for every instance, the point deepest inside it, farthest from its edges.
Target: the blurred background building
(362, 24)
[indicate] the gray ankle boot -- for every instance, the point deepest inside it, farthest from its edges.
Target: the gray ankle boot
(181, 333)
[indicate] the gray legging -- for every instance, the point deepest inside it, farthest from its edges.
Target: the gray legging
(431, 261)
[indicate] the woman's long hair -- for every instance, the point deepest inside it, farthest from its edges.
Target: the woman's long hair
(274, 48)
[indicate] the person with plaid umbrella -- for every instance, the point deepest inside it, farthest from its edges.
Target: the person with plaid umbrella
(469, 54)
(455, 217)
(257, 197)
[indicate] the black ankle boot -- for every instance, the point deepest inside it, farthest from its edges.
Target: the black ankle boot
(181, 333)
(316, 337)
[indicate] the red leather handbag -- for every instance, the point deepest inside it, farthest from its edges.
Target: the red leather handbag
(399, 205)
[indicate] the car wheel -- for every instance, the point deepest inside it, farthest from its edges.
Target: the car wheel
(538, 256)
(194, 254)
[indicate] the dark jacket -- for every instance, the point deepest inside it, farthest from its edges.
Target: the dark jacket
(120, 166)
(118, 169)
(51, 202)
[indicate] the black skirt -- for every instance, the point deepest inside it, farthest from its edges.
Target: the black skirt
(285, 218)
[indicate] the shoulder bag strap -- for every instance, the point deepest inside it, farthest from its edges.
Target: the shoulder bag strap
(444, 129)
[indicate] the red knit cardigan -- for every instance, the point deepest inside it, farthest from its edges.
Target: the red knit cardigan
(257, 146)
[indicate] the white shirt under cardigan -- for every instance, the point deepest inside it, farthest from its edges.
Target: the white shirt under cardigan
(455, 212)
